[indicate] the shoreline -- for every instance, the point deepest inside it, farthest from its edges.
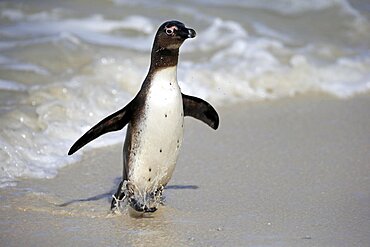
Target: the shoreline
(289, 172)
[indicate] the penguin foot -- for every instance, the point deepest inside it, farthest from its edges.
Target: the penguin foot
(140, 207)
(119, 197)
(159, 195)
(116, 203)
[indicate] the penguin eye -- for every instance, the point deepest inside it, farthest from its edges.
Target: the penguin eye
(169, 31)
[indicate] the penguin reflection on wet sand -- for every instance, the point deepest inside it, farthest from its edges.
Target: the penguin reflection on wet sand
(155, 119)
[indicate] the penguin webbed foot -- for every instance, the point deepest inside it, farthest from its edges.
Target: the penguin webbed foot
(149, 204)
(159, 195)
(116, 203)
(140, 207)
(119, 197)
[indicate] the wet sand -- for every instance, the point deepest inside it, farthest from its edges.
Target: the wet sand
(293, 172)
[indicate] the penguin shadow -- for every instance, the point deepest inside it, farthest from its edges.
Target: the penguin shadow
(181, 187)
(117, 181)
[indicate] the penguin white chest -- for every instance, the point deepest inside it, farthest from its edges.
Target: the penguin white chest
(162, 132)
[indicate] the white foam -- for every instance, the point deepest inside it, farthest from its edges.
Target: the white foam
(270, 32)
(35, 139)
(12, 85)
(252, 68)
(19, 66)
(95, 23)
(286, 6)
(93, 29)
(12, 14)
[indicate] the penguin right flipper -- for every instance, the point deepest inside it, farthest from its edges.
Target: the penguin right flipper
(114, 122)
(200, 109)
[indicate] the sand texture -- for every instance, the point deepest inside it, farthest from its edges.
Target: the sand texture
(292, 172)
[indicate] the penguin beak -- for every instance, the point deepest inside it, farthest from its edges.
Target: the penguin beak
(186, 33)
(191, 33)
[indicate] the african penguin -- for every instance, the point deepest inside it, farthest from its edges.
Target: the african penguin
(155, 119)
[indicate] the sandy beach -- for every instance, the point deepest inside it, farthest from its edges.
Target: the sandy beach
(291, 172)
(289, 165)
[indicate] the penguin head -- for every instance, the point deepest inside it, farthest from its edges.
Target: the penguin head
(172, 34)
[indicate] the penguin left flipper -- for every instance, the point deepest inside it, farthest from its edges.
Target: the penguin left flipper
(201, 110)
(114, 122)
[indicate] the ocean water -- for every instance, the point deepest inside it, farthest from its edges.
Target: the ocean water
(64, 65)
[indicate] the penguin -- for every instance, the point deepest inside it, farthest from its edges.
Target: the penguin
(155, 119)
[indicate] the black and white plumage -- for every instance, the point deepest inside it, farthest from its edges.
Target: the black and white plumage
(155, 119)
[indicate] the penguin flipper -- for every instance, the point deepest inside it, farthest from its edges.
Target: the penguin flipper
(114, 122)
(200, 109)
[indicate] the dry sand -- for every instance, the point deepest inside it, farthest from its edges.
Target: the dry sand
(292, 172)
